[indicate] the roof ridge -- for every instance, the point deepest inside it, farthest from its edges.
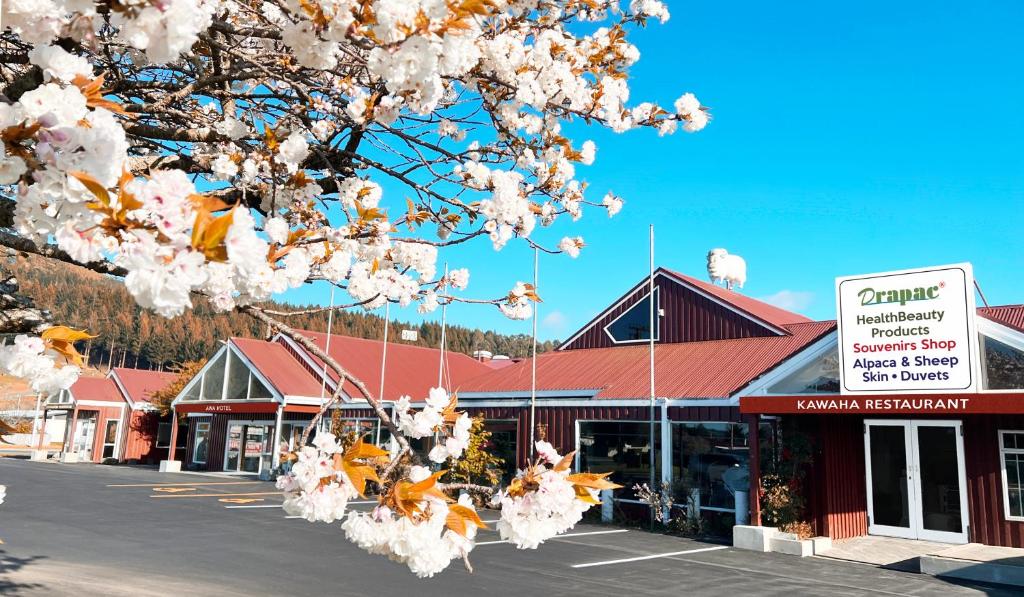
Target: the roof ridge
(391, 343)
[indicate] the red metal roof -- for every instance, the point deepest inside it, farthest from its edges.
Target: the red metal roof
(141, 383)
(1008, 315)
(96, 388)
(411, 370)
(281, 369)
(710, 369)
(759, 309)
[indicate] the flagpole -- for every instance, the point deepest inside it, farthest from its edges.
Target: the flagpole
(327, 347)
(533, 360)
(444, 322)
(650, 334)
(383, 364)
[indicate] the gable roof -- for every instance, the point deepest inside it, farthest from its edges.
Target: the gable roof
(102, 389)
(705, 369)
(279, 367)
(139, 384)
(727, 308)
(750, 306)
(1011, 316)
(411, 370)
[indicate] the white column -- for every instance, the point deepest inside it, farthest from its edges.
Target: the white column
(275, 449)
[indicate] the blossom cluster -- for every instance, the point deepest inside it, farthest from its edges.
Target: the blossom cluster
(315, 488)
(424, 542)
(545, 501)
(27, 358)
(436, 417)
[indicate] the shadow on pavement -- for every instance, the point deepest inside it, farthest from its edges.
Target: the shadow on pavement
(10, 564)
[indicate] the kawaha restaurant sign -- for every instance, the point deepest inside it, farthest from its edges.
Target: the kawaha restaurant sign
(908, 331)
(935, 404)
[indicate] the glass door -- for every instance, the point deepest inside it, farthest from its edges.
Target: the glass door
(234, 448)
(110, 438)
(889, 478)
(916, 480)
(84, 435)
(256, 440)
(940, 486)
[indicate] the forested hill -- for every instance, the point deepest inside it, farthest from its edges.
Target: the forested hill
(131, 336)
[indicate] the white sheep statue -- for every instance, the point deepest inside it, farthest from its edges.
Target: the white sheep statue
(723, 267)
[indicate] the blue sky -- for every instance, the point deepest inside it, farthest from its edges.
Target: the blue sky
(847, 138)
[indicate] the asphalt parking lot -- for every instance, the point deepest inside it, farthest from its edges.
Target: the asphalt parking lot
(100, 530)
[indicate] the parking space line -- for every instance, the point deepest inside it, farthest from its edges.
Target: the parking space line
(217, 495)
(583, 534)
(259, 506)
(186, 483)
(650, 557)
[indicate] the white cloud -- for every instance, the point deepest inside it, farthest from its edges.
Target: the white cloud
(790, 300)
(554, 321)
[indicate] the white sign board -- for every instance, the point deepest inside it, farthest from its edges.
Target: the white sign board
(910, 331)
(410, 335)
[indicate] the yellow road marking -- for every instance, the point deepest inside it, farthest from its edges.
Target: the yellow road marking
(217, 495)
(189, 484)
(174, 489)
(240, 500)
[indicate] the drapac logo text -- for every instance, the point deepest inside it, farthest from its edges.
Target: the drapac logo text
(870, 296)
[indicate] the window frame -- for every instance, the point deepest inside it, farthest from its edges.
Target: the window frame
(657, 319)
(195, 441)
(156, 441)
(682, 424)
(658, 473)
(1003, 451)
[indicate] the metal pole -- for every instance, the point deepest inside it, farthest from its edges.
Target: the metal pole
(533, 360)
(327, 348)
(650, 333)
(383, 364)
(444, 322)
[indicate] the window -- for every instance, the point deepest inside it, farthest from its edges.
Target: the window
(1004, 365)
(110, 438)
(820, 376)
(163, 435)
(714, 461)
(622, 448)
(1011, 452)
(213, 379)
(634, 325)
(238, 378)
(201, 448)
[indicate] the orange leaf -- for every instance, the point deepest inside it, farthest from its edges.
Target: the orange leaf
(565, 463)
(62, 339)
(95, 187)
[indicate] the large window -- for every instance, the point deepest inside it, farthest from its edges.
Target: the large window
(622, 448)
(821, 376)
(1011, 453)
(714, 460)
(202, 442)
(634, 325)
(1004, 365)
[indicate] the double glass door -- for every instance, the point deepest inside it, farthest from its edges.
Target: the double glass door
(249, 447)
(916, 483)
(85, 433)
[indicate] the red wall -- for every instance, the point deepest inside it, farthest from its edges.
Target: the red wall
(985, 483)
(140, 438)
(689, 317)
(837, 494)
(103, 413)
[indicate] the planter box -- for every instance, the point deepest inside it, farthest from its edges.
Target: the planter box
(170, 466)
(788, 543)
(69, 457)
(821, 544)
(753, 538)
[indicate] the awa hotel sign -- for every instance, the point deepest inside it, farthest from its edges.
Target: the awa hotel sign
(910, 331)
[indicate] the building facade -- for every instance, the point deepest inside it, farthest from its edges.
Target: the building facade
(111, 419)
(944, 467)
